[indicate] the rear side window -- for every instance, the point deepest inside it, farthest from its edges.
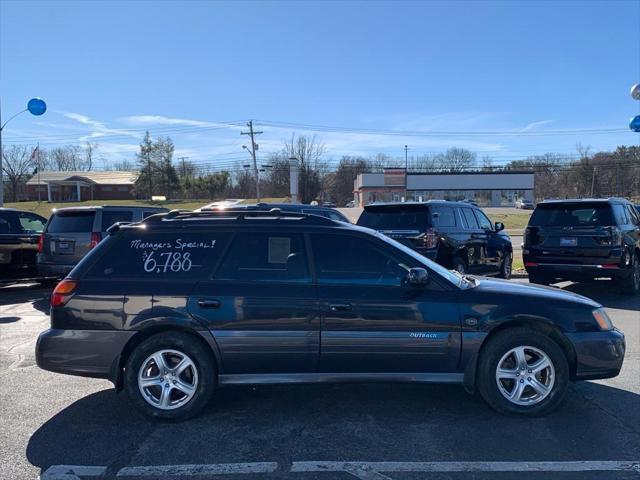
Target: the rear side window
(265, 257)
(30, 223)
(153, 255)
(401, 218)
(109, 217)
(470, 218)
(484, 222)
(572, 215)
(69, 222)
(8, 223)
(443, 216)
(620, 214)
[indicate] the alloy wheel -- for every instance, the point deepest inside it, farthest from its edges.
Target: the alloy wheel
(168, 379)
(525, 375)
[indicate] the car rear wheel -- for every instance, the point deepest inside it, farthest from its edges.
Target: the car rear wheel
(170, 376)
(459, 264)
(523, 372)
(506, 266)
(631, 284)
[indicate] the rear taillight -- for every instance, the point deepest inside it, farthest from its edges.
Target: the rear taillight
(430, 238)
(63, 292)
(614, 239)
(96, 237)
(40, 243)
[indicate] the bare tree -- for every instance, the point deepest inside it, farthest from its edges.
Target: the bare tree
(18, 163)
(124, 166)
(457, 159)
(309, 152)
(68, 158)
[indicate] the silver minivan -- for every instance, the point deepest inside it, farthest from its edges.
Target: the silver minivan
(71, 232)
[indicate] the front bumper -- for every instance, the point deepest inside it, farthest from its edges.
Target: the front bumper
(598, 354)
(87, 353)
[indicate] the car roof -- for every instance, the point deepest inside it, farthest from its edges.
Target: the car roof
(88, 208)
(418, 204)
(586, 200)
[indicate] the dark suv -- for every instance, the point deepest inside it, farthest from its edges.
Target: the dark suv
(582, 240)
(457, 235)
(19, 235)
(176, 306)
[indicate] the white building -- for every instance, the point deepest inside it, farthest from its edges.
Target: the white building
(492, 189)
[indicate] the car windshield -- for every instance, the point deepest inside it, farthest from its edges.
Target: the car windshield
(449, 275)
(572, 215)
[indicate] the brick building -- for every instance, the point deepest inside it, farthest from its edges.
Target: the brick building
(80, 186)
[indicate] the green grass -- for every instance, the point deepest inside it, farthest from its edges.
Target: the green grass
(512, 221)
(45, 208)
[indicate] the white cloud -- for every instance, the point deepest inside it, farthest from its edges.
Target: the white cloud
(535, 125)
(148, 120)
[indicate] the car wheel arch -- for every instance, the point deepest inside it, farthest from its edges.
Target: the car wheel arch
(117, 369)
(521, 321)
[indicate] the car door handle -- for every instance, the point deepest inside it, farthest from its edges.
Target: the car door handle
(202, 303)
(339, 307)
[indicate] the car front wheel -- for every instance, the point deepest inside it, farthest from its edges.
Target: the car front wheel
(631, 284)
(170, 376)
(523, 372)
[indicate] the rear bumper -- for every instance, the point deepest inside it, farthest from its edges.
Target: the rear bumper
(612, 266)
(54, 269)
(87, 353)
(598, 354)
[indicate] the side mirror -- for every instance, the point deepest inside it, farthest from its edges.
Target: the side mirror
(499, 226)
(417, 277)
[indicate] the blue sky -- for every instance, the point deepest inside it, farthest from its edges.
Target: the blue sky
(510, 78)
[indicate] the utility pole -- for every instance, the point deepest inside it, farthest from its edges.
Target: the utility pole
(406, 171)
(593, 180)
(252, 151)
(184, 169)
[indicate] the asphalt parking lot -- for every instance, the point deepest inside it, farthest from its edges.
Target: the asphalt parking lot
(63, 427)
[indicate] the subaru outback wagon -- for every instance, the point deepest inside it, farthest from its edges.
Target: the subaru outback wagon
(176, 306)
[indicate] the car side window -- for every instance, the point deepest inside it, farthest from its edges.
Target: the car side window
(484, 222)
(31, 223)
(148, 213)
(150, 255)
(443, 216)
(109, 217)
(632, 213)
(472, 222)
(265, 257)
(350, 260)
(620, 214)
(6, 223)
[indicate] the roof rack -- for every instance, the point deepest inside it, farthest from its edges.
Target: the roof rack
(239, 214)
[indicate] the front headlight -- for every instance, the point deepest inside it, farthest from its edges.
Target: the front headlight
(602, 319)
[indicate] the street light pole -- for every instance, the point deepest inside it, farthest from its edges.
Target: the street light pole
(35, 106)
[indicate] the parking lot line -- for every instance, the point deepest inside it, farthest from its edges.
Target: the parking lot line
(361, 470)
(354, 467)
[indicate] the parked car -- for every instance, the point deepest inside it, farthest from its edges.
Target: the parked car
(350, 204)
(183, 303)
(584, 239)
(470, 201)
(73, 231)
(457, 235)
(290, 207)
(19, 234)
(524, 204)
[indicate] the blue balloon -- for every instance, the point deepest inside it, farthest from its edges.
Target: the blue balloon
(36, 106)
(634, 124)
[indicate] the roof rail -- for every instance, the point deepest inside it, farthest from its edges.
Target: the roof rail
(238, 214)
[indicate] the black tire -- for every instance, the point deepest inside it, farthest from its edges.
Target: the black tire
(458, 264)
(506, 266)
(539, 279)
(631, 284)
(204, 365)
(500, 345)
